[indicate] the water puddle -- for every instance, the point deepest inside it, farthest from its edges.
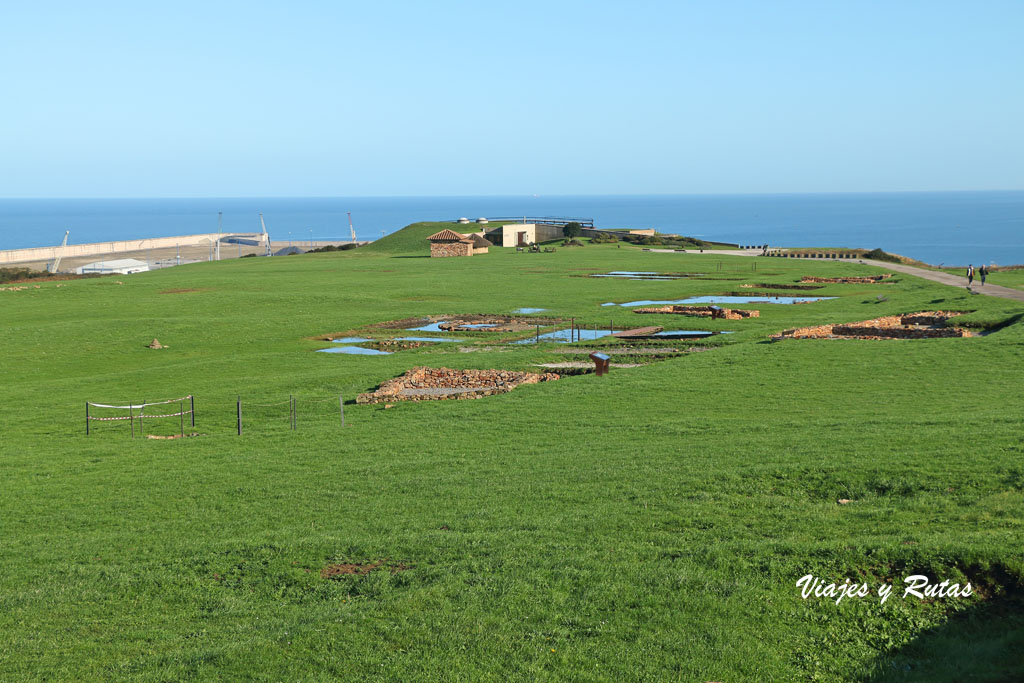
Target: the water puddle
(640, 275)
(355, 351)
(432, 327)
(529, 310)
(563, 336)
(727, 300)
(430, 339)
(351, 340)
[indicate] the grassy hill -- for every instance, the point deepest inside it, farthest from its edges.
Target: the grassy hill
(650, 524)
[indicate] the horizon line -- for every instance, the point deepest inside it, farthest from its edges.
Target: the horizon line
(526, 195)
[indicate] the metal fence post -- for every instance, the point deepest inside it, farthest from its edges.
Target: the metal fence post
(238, 407)
(87, 418)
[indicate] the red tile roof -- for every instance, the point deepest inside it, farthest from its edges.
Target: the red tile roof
(447, 235)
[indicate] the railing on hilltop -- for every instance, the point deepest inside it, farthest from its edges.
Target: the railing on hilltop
(560, 221)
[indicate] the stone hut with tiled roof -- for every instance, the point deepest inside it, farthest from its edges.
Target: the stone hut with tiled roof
(450, 243)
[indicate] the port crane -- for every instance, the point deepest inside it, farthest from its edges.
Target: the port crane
(58, 253)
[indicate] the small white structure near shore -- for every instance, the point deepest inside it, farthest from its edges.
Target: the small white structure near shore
(121, 266)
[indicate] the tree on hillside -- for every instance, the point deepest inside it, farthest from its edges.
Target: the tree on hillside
(572, 229)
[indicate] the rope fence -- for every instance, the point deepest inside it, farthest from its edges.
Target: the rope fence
(141, 407)
(254, 415)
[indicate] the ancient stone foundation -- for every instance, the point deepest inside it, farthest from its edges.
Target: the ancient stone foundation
(847, 280)
(927, 325)
(702, 311)
(432, 384)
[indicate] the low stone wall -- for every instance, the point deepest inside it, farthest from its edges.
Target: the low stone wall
(769, 285)
(929, 317)
(434, 384)
(501, 324)
(701, 311)
(847, 280)
(871, 332)
(886, 327)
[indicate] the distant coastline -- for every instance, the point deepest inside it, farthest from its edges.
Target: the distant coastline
(942, 228)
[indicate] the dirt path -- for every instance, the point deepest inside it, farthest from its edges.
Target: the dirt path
(933, 275)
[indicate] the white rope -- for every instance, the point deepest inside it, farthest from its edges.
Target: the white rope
(140, 405)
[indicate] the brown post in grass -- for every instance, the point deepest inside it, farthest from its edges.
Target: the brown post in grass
(87, 418)
(131, 419)
(341, 410)
(238, 408)
(192, 400)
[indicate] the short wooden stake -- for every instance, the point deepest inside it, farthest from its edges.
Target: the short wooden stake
(87, 418)
(192, 400)
(238, 407)
(131, 419)
(341, 409)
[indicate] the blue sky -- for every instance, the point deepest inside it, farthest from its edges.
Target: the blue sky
(111, 99)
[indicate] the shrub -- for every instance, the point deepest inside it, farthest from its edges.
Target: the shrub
(879, 255)
(572, 230)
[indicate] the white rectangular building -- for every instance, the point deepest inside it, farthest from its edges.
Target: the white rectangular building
(121, 266)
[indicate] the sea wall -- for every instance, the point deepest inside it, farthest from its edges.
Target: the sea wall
(105, 248)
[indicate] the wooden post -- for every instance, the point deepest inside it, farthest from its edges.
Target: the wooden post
(538, 335)
(238, 407)
(295, 413)
(142, 409)
(192, 400)
(87, 418)
(291, 412)
(131, 419)
(341, 409)
(572, 329)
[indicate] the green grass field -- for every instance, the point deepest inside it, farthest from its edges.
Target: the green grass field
(650, 524)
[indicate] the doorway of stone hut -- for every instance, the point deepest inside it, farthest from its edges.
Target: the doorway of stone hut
(521, 239)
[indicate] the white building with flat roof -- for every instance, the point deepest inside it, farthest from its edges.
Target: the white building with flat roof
(121, 266)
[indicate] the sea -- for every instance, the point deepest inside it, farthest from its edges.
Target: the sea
(941, 228)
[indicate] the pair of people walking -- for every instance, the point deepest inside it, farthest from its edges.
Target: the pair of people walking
(982, 273)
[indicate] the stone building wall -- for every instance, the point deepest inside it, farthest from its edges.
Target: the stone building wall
(451, 249)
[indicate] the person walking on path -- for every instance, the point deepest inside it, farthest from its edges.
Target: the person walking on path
(970, 274)
(983, 272)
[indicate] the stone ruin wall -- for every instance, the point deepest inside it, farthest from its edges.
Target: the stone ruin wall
(701, 311)
(482, 382)
(847, 280)
(886, 327)
(451, 249)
